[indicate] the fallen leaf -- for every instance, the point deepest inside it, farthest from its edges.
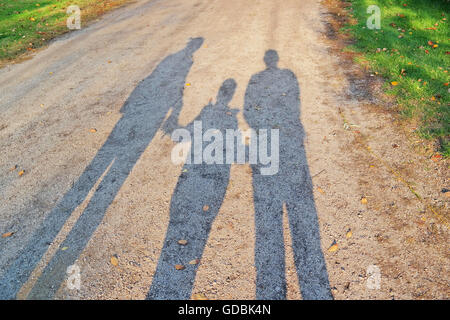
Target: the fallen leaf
(199, 296)
(205, 207)
(436, 157)
(64, 248)
(188, 84)
(8, 234)
(180, 267)
(195, 261)
(349, 234)
(114, 260)
(320, 190)
(364, 200)
(93, 130)
(394, 83)
(182, 242)
(334, 247)
(21, 173)
(13, 168)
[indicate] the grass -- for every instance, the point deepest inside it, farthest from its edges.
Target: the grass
(26, 25)
(411, 51)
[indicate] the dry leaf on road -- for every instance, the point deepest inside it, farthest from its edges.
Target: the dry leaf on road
(8, 234)
(114, 260)
(334, 247)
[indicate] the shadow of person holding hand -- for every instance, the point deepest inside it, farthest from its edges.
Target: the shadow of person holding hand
(143, 114)
(196, 199)
(272, 101)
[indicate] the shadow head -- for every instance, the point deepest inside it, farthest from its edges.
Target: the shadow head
(271, 59)
(226, 92)
(194, 44)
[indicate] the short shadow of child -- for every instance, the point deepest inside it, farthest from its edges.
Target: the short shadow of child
(196, 200)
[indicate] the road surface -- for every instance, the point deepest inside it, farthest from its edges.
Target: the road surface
(89, 121)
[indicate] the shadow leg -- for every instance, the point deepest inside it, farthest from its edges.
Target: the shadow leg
(199, 186)
(77, 239)
(20, 270)
(308, 256)
(269, 245)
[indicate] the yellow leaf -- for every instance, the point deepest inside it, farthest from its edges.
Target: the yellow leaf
(93, 130)
(320, 190)
(188, 84)
(333, 248)
(199, 296)
(64, 248)
(21, 173)
(349, 234)
(364, 200)
(394, 83)
(180, 267)
(114, 261)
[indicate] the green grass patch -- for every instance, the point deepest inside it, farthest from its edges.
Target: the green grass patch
(411, 51)
(28, 24)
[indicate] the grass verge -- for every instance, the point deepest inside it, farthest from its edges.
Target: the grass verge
(26, 25)
(411, 51)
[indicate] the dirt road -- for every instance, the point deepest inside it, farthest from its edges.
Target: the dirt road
(89, 119)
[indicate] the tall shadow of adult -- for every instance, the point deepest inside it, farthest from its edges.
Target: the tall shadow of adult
(143, 114)
(272, 100)
(195, 202)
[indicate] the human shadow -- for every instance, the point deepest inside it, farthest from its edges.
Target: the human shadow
(143, 114)
(272, 101)
(196, 200)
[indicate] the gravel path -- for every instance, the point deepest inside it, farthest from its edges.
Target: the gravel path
(89, 120)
